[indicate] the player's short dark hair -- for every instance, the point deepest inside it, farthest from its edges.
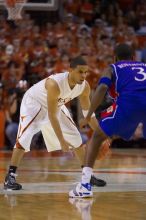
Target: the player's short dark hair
(123, 51)
(77, 61)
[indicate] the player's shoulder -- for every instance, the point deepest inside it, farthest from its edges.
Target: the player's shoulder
(51, 84)
(59, 75)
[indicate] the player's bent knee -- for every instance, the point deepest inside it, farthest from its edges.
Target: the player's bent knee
(19, 146)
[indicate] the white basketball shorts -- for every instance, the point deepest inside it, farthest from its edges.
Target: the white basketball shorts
(33, 118)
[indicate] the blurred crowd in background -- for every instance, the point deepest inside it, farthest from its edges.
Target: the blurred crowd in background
(42, 44)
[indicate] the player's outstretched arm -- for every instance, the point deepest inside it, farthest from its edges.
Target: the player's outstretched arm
(100, 92)
(85, 104)
(53, 92)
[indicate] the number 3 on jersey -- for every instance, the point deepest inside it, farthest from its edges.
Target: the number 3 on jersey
(141, 74)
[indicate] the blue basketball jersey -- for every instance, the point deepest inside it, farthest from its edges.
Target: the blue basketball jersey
(129, 78)
(129, 109)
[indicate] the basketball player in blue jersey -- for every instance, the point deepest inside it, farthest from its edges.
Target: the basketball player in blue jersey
(129, 77)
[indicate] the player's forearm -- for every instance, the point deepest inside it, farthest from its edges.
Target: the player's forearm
(93, 123)
(97, 99)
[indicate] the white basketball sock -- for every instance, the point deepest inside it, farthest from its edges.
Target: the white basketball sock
(86, 174)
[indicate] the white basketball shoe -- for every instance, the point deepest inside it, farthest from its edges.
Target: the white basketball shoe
(81, 191)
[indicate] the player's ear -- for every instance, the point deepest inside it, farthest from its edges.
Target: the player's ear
(70, 69)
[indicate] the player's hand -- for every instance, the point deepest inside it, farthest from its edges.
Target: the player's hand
(83, 122)
(66, 146)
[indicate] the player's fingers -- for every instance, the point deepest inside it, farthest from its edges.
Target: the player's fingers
(71, 147)
(65, 149)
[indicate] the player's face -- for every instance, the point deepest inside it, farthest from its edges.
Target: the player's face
(80, 73)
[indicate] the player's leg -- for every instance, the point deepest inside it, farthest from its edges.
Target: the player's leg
(108, 127)
(10, 179)
(17, 156)
(80, 153)
(93, 148)
(119, 123)
(22, 145)
(83, 189)
(73, 136)
(91, 154)
(27, 128)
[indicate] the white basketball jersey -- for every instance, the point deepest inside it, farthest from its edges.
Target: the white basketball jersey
(39, 92)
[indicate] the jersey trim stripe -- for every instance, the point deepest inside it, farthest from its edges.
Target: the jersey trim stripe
(116, 75)
(111, 117)
(19, 135)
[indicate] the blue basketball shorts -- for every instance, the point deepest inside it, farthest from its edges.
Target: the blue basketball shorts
(122, 120)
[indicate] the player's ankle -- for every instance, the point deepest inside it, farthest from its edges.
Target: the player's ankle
(12, 169)
(86, 175)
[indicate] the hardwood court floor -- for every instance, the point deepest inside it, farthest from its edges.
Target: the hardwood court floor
(47, 179)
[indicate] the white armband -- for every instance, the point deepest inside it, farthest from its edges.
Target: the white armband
(85, 113)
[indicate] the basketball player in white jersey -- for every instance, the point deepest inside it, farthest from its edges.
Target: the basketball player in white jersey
(43, 108)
